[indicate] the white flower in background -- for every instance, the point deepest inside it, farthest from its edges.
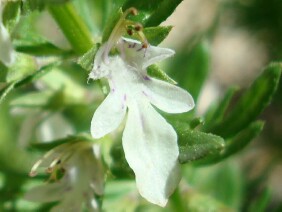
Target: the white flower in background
(149, 141)
(83, 177)
(7, 54)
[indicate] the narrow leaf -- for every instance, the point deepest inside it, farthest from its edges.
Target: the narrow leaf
(251, 103)
(190, 68)
(236, 144)
(28, 79)
(195, 145)
(216, 113)
(164, 10)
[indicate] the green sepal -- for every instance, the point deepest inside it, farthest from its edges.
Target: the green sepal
(195, 145)
(86, 61)
(251, 103)
(156, 72)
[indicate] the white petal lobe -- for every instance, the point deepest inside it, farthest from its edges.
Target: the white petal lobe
(140, 57)
(108, 115)
(150, 146)
(168, 97)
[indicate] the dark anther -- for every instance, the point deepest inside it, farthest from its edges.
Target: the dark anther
(138, 27)
(133, 11)
(129, 32)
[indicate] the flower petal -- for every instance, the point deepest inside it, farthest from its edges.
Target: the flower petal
(150, 146)
(167, 97)
(108, 115)
(100, 68)
(140, 57)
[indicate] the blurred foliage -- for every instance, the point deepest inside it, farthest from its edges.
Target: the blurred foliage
(47, 88)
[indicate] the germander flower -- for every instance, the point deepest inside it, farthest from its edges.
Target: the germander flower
(149, 141)
(82, 179)
(7, 54)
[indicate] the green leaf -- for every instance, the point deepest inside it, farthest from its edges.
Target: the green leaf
(164, 10)
(152, 13)
(262, 201)
(251, 103)
(195, 145)
(156, 72)
(24, 65)
(216, 112)
(11, 14)
(190, 68)
(26, 80)
(86, 61)
(40, 49)
(236, 144)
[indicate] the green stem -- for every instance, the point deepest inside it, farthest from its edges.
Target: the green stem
(72, 26)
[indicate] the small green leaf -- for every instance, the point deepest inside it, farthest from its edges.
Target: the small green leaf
(40, 49)
(24, 65)
(28, 79)
(236, 144)
(195, 145)
(156, 72)
(190, 68)
(251, 103)
(163, 11)
(151, 13)
(86, 61)
(11, 14)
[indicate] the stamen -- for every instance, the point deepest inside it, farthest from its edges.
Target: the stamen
(138, 27)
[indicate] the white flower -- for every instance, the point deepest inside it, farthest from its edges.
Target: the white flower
(83, 177)
(7, 54)
(149, 142)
